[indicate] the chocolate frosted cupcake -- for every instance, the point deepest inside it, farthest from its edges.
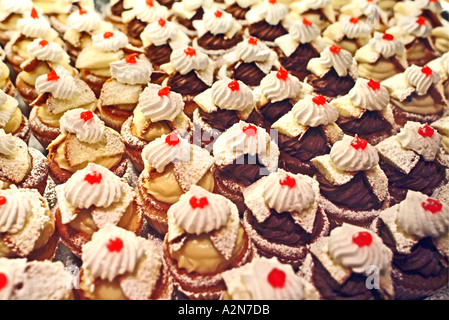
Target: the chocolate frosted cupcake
(320, 12)
(10, 13)
(305, 132)
(205, 238)
(284, 217)
(187, 11)
(268, 20)
(190, 72)
(243, 154)
(12, 121)
(239, 9)
(220, 107)
(412, 160)
(416, 95)
(266, 279)
(366, 111)
(334, 73)
(159, 39)
(353, 186)
(351, 264)
(250, 62)
(118, 265)
(159, 111)
(120, 94)
(295, 49)
(142, 13)
(172, 167)
(416, 230)
(383, 57)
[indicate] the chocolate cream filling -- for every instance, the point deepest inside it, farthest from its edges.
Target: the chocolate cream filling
(135, 28)
(188, 23)
(331, 84)
(118, 8)
(249, 74)
(245, 170)
(370, 122)
(159, 55)
(210, 41)
(237, 12)
(297, 62)
(265, 31)
(220, 119)
(187, 84)
(273, 111)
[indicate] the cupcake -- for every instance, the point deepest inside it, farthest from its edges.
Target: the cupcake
(58, 92)
(21, 166)
(412, 160)
(187, 11)
(367, 11)
(27, 226)
(349, 33)
(6, 84)
(119, 265)
(142, 13)
(217, 33)
(120, 94)
(10, 13)
(266, 279)
(301, 44)
(307, 131)
(44, 56)
(250, 62)
(34, 280)
(366, 111)
(334, 73)
(429, 9)
(416, 95)
(239, 9)
(383, 57)
(243, 154)
(204, 239)
(416, 231)
(159, 39)
(321, 12)
(284, 216)
(85, 139)
(93, 199)
(172, 168)
(159, 111)
(352, 263)
(12, 121)
(189, 66)
(93, 61)
(220, 107)
(352, 184)
(268, 20)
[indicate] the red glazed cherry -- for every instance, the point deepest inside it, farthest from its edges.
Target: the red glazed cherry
(432, 205)
(421, 21)
(358, 143)
(276, 278)
(162, 22)
(150, 3)
(272, 1)
(132, 58)
(86, 115)
(362, 238)
(172, 139)
(43, 43)
(3, 281)
(426, 131)
(288, 181)
(282, 74)
(115, 245)
(373, 84)
(93, 178)
(190, 52)
(252, 41)
(164, 92)
(335, 49)
(319, 100)
(52, 76)
(218, 13)
(307, 22)
(34, 14)
(388, 37)
(198, 203)
(2, 200)
(427, 71)
(108, 35)
(82, 11)
(234, 85)
(354, 20)
(250, 130)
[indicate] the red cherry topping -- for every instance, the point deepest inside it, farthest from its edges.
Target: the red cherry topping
(432, 205)
(250, 130)
(282, 74)
(288, 181)
(272, 1)
(108, 35)
(172, 139)
(373, 84)
(82, 11)
(358, 143)
(3, 281)
(198, 203)
(234, 85)
(115, 245)
(252, 41)
(276, 278)
(354, 20)
(86, 115)
(319, 100)
(421, 21)
(218, 13)
(162, 22)
(164, 92)
(2, 200)
(307, 22)
(427, 71)
(190, 52)
(388, 37)
(362, 238)
(34, 14)
(131, 58)
(150, 3)
(335, 49)
(43, 43)
(52, 76)
(426, 131)
(93, 178)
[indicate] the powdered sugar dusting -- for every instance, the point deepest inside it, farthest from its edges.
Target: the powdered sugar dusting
(391, 151)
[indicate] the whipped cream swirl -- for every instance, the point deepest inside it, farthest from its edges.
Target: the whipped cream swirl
(218, 22)
(369, 97)
(93, 186)
(85, 20)
(422, 217)
(432, 5)
(59, 82)
(418, 27)
(354, 29)
(33, 25)
(358, 248)
(232, 95)
(313, 113)
(157, 107)
(252, 50)
(138, 72)
(386, 46)
(46, 51)
(110, 41)
(317, 4)
(277, 88)
(14, 211)
(273, 12)
(85, 125)
(150, 13)
(187, 59)
(341, 61)
(304, 31)
(420, 138)
(16, 6)
(7, 143)
(354, 154)
(421, 78)
(160, 34)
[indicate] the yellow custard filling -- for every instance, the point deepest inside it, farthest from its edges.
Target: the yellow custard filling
(145, 130)
(14, 123)
(30, 77)
(4, 75)
(424, 105)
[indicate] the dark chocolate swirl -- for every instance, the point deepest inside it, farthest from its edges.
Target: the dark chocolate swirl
(166, 3)
(188, 23)
(237, 12)
(265, 31)
(370, 122)
(249, 74)
(210, 41)
(297, 62)
(245, 170)
(118, 8)
(273, 111)
(135, 28)
(311, 144)
(158, 55)
(220, 119)
(331, 84)
(187, 84)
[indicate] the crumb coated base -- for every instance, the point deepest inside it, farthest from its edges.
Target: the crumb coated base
(133, 145)
(37, 177)
(42, 132)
